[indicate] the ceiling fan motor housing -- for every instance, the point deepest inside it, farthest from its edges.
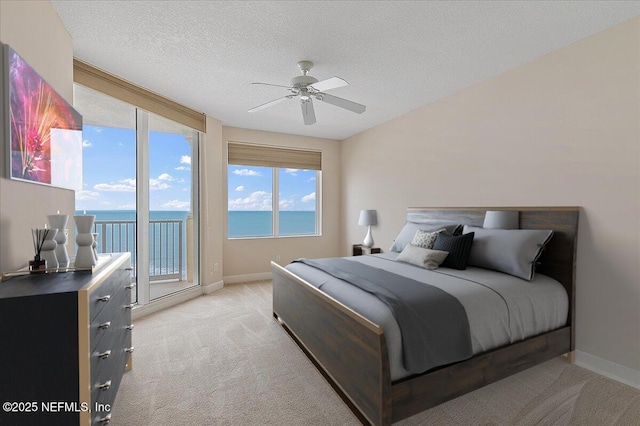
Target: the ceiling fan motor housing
(303, 81)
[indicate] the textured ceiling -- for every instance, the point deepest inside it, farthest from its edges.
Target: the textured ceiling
(396, 56)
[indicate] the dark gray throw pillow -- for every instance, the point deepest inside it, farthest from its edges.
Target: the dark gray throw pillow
(458, 247)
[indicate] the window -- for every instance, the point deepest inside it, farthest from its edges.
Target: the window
(255, 174)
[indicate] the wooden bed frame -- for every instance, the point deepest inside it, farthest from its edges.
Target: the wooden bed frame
(351, 352)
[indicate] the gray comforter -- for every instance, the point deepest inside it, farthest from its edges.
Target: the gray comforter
(501, 309)
(433, 324)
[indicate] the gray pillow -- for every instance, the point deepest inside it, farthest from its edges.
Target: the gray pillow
(409, 231)
(419, 256)
(512, 251)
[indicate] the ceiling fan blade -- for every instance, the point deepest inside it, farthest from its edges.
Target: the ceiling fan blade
(268, 104)
(328, 84)
(343, 103)
(276, 85)
(308, 114)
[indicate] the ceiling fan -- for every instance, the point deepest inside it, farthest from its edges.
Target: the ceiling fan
(306, 88)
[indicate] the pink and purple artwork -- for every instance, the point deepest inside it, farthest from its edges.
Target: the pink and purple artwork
(46, 132)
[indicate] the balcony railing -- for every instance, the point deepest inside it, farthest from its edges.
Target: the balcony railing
(166, 245)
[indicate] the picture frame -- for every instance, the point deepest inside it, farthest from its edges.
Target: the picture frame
(42, 132)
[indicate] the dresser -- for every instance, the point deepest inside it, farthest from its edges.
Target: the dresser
(65, 343)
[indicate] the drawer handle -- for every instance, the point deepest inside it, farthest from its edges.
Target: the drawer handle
(105, 325)
(105, 298)
(129, 306)
(105, 420)
(105, 386)
(129, 350)
(105, 354)
(130, 327)
(130, 286)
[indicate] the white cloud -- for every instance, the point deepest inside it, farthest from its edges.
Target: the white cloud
(183, 168)
(86, 144)
(246, 172)
(286, 204)
(127, 207)
(155, 184)
(259, 200)
(124, 185)
(311, 179)
(292, 172)
(87, 195)
(185, 159)
(309, 197)
(165, 176)
(240, 188)
(176, 205)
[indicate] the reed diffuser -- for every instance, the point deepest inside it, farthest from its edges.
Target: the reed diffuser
(37, 264)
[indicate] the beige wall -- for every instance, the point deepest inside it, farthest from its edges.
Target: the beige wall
(251, 256)
(34, 30)
(562, 130)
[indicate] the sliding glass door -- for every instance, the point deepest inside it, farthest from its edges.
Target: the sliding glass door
(140, 180)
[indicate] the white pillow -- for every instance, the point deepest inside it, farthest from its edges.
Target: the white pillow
(425, 239)
(419, 256)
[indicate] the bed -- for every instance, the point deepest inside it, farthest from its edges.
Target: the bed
(351, 349)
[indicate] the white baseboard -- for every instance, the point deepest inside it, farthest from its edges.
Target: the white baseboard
(261, 276)
(210, 288)
(609, 369)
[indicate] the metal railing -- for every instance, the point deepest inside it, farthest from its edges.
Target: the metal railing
(166, 245)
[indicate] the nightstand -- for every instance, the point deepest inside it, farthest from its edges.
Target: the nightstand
(359, 250)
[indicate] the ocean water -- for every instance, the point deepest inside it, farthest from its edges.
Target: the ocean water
(260, 223)
(116, 231)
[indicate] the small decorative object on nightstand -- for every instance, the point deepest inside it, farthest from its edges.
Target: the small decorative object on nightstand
(368, 218)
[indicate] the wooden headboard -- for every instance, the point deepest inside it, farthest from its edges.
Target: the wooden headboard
(559, 257)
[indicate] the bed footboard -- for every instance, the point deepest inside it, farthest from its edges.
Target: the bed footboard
(349, 348)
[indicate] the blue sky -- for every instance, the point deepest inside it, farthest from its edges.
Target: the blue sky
(109, 176)
(250, 188)
(109, 170)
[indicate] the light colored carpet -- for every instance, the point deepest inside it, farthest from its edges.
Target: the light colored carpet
(222, 359)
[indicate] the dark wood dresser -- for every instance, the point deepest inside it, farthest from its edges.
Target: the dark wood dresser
(65, 342)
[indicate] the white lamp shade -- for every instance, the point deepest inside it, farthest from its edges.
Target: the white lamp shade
(501, 219)
(368, 218)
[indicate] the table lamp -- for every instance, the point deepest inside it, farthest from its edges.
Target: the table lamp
(368, 218)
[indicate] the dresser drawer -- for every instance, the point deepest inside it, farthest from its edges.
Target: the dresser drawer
(101, 297)
(114, 339)
(99, 397)
(114, 315)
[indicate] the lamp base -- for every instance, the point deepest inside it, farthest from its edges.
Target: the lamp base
(368, 240)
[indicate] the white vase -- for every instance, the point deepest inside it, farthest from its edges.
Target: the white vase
(84, 240)
(59, 222)
(94, 245)
(48, 249)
